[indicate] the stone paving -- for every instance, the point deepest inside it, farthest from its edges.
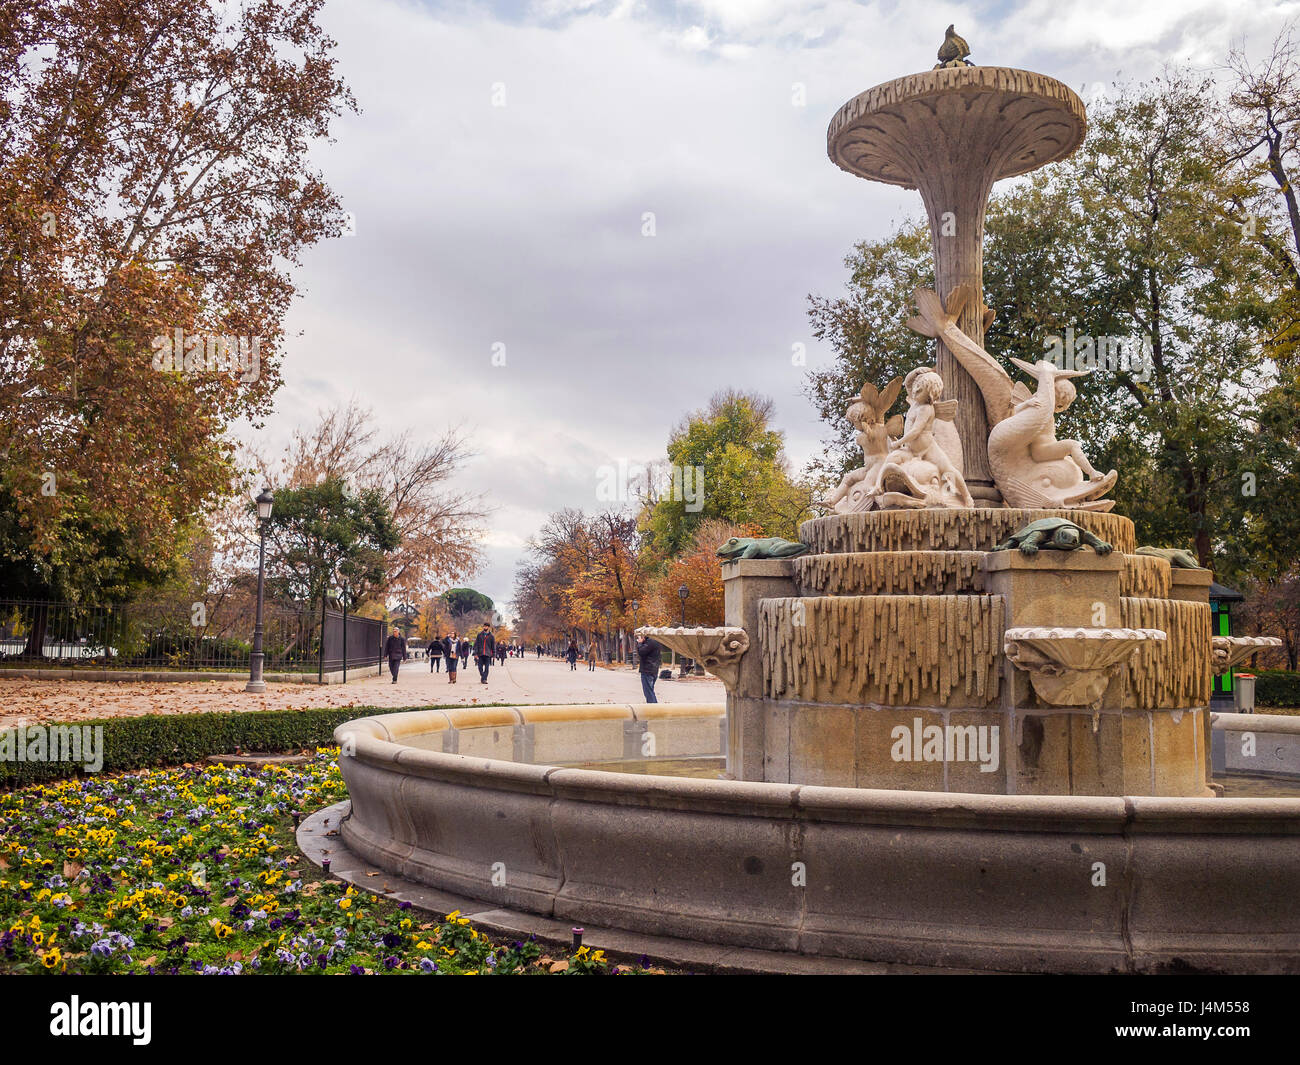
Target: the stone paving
(526, 680)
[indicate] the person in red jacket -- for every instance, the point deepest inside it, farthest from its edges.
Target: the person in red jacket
(485, 649)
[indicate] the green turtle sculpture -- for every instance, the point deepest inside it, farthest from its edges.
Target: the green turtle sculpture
(765, 547)
(1056, 534)
(1175, 556)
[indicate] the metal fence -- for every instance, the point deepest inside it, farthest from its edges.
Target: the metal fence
(351, 643)
(51, 635)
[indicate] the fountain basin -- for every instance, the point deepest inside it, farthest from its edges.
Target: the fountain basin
(1229, 651)
(718, 649)
(1073, 666)
(1000, 882)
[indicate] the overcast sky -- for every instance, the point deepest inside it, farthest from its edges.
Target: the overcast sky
(522, 225)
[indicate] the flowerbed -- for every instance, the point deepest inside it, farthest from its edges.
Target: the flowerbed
(195, 870)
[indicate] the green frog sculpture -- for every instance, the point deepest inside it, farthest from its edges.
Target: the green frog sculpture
(766, 547)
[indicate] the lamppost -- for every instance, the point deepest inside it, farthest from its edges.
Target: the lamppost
(682, 593)
(609, 649)
(636, 655)
(255, 681)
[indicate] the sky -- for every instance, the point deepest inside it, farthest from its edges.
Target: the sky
(575, 220)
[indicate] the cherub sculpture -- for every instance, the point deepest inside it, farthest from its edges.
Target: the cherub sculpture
(867, 415)
(918, 445)
(913, 463)
(1031, 468)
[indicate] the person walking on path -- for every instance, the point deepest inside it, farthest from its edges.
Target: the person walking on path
(449, 647)
(435, 655)
(502, 651)
(394, 651)
(485, 649)
(464, 649)
(571, 656)
(648, 652)
(591, 657)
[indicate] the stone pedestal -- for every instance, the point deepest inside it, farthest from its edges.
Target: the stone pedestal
(1079, 588)
(1109, 744)
(745, 583)
(1190, 585)
(902, 652)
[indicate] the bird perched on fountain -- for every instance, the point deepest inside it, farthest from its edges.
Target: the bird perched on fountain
(953, 51)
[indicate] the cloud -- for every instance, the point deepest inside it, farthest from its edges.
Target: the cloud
(479, 224)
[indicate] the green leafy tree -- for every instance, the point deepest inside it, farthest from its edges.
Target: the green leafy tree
(324, 539)
(466, 603)
(743, 475)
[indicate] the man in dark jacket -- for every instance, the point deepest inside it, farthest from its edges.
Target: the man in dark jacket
(394, 651)
(648, 651)
(463, 649)
(485, 649)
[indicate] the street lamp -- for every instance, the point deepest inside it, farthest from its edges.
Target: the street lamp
(255, 681)
(682, 593)
(636, 655)
(609, 650)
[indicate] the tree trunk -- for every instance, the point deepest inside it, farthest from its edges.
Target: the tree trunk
(36, 636)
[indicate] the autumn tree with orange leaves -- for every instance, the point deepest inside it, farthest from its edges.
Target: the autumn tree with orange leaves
(700, 570)
(578, 568)
(154, 177)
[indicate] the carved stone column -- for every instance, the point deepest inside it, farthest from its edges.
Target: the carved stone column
(745, 583)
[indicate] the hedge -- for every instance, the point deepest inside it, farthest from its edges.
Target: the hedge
(1277, 687)
(171, 739)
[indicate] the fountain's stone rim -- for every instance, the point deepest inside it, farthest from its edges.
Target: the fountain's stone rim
(1008, 81)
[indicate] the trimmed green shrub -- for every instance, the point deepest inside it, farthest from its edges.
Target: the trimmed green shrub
(172, 739)
(1277, 687)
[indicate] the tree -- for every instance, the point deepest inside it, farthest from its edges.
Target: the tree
(1273, 609)
(467, 606)
(728, 464)
(700, 571)
(154, 179)
(580, 567)
(322, 539)
(432, 619)
(440, 529)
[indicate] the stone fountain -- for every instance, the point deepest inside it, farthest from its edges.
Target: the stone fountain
(929, 612)
(968, 617)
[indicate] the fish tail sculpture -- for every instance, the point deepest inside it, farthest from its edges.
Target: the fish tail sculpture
(1029, 465)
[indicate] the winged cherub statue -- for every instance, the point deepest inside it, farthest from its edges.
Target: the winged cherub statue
(918, 445)
(867, 415)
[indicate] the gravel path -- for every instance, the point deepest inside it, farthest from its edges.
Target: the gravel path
(526, 680)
